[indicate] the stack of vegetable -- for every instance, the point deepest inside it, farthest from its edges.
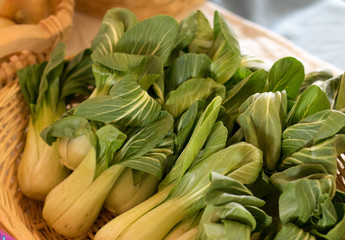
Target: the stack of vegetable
(183, 137)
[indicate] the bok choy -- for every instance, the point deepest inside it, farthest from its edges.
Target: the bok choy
(47, 87)
(186, 198)
(73, 205)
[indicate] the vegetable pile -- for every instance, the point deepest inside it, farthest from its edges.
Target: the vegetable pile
(167, 125)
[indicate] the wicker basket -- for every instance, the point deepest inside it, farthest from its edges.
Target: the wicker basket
(26, 44)
(143, 9)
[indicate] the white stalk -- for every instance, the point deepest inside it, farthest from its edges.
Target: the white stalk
(125, 194)
(39, 170)
(85, 210)
(63, 196)
(115, 227)
(156, 224)
(73, 151)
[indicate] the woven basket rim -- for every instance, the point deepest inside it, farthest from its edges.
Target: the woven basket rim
(39, 37)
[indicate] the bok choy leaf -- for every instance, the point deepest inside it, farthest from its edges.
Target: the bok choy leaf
(187, 197)
(286, 74)
(115, 22)
(127, 104)
(144, 154)
(262, 117)
(46, 88)
(225, 50)
(231, 211)
(75, 134)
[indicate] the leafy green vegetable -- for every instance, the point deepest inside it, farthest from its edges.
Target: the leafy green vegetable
(254, 83)
(311, 101)
(324, 153)
(46, 88)
(286, 74)
(311, 130)
(152, 36)
(186, 123)
(225, 50)
(75, 138)
(186, 199)
(196, 141)
(132, 154)
(332, 89)
(203, 36)
(73, 205)
(187, 66)
(230, 205)
(115, 22)
(292, 232)
(261, 119)
(190, 91)
(127, 104)
(315, 77)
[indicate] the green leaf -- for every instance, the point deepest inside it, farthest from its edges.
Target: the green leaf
(262, 121)
(49, 90)
(187, 66)
(110, 139)
(338, 231)
(185, 124)
(218, 231)
(224, 190)
(340, 101)
(311, 101)
(323, 153)
(225, 50)
(286, 74)
(306, 171)
(77, 76)
(190, 91)
(232, 161)
(333, 88)
(152, 36)
(104, 79)
(203, 36)
(152, 162)
(315, 77)
(292, 232)
(230, 201)
(302, 201)
(145, 139)
(262, 219)
(113, 67)
(215, 142)
(122, 62)
(115, 22)
(186, 33)
(29, 81)
(196, 142)
(254, 83)
(152, 71)
(69, 127)
(127, 104)
(311, 130)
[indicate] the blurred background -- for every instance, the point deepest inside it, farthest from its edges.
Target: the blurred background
(318, 26)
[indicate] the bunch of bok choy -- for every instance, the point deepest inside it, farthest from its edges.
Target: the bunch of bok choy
(47, 88)
(185, 138)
